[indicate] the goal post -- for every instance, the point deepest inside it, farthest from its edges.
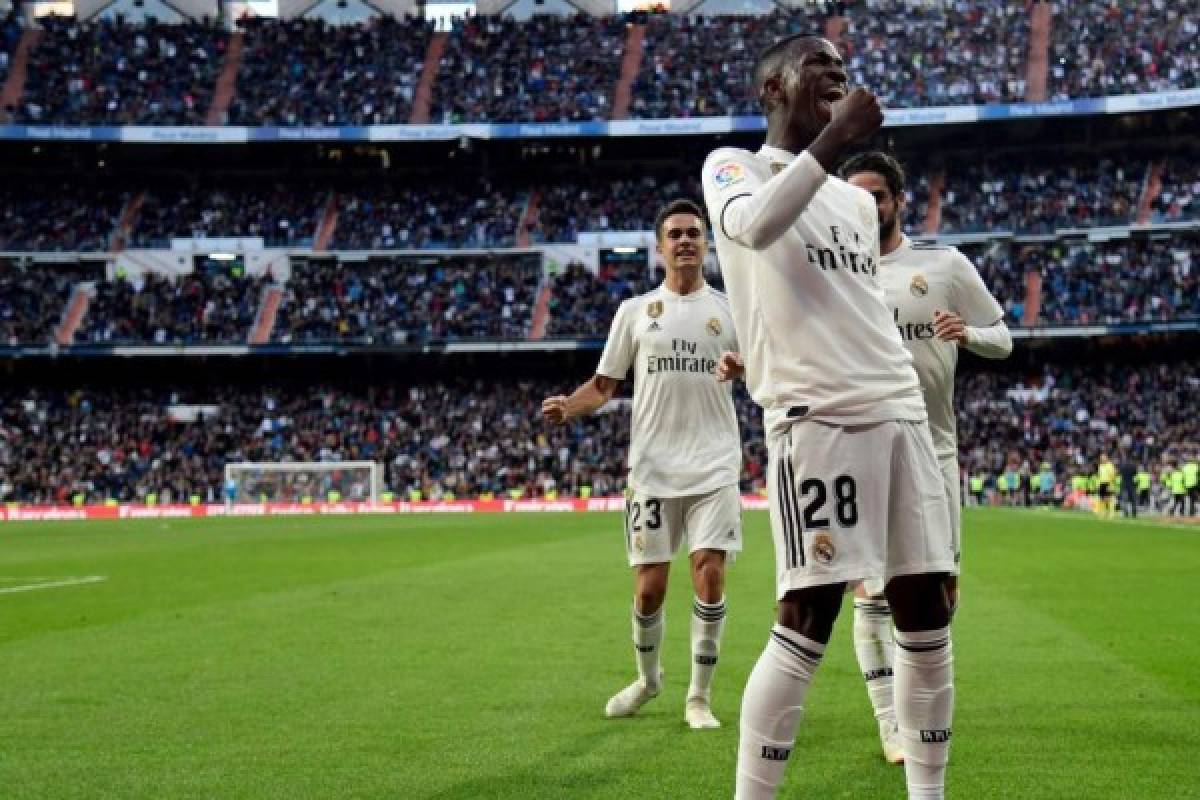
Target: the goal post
(302, 481)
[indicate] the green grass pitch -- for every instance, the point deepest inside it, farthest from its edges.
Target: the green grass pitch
(471, 657)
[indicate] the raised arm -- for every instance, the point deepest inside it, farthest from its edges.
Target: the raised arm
(755, 212)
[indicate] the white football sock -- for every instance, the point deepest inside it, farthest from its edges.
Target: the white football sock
(873, 644)
(647, 638)
(708, 621)
(771, 709)
(925, 708)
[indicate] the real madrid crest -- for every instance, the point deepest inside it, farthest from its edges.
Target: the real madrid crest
(655, 309)
(714, 326)
(822, 548)
(919, 286)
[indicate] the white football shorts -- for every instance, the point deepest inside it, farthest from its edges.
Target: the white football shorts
(655, 527)
(857, 502)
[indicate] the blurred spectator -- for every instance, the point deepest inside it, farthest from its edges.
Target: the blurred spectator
(549, 68)
(284, 215)
(197, 308)
(10, 34)
(56, 216)
(399, 301)
(307, 72)
(111, 72)
(1107, 47)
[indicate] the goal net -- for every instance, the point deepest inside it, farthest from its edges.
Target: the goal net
(303, 481)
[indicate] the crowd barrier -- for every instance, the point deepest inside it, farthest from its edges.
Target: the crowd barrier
(23, 513)
(692, 126)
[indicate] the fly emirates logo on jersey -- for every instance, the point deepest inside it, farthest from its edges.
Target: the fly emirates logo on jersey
(913, 331)
(851, 260)
(684, 357)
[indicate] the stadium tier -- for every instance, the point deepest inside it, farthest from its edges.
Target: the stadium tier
(468, 438)
(575, 68)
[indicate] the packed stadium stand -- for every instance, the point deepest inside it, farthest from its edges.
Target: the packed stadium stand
(551, 68)
(466, 437)
(307, 72)
(340, 294)
(114, 73)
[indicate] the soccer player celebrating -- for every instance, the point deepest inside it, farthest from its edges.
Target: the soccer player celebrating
(940, 304)
(854, 486)
(684, 452)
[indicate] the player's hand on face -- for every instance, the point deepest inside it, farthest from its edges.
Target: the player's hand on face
(554, 409)
(949, 327)
(857, 115)
(730, 366)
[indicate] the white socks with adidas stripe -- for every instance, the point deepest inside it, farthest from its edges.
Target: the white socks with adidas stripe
(924, 708)
(873, 644)
(647, 645)
(708, 622)
(771, 709)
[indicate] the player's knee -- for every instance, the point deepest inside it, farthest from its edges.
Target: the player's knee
(920, 602)
(812, 612)
(708, 575)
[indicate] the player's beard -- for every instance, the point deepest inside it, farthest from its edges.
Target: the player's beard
(887, 227)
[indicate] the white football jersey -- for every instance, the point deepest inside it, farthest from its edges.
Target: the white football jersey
(684, 438)
(817, 336)
(922, 278)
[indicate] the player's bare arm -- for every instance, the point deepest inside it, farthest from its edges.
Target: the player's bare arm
(730, 366)
(590, 396)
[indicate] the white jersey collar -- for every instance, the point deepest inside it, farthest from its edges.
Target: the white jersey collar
(905, 243)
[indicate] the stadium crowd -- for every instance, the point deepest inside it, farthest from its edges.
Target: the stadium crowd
(32, 300)
(112, 72)
(399, 301)
(308, 72)
(466, 438)
(55, 216)
(282, 215)
(196, 308)
(938, 54)
(566, 68)
(583, 302)
(1133, 280)
(1040, 197)
(1179, 198)
(547, 69)
(1103, 47)
(390, 216)
(1068, 416)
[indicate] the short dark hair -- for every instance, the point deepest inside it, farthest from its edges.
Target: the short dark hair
(769, 60)
(879, 162)
(680, 205)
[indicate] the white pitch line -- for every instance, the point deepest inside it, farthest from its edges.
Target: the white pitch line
(33, 587)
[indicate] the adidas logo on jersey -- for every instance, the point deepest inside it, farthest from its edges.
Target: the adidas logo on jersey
(654, 326)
